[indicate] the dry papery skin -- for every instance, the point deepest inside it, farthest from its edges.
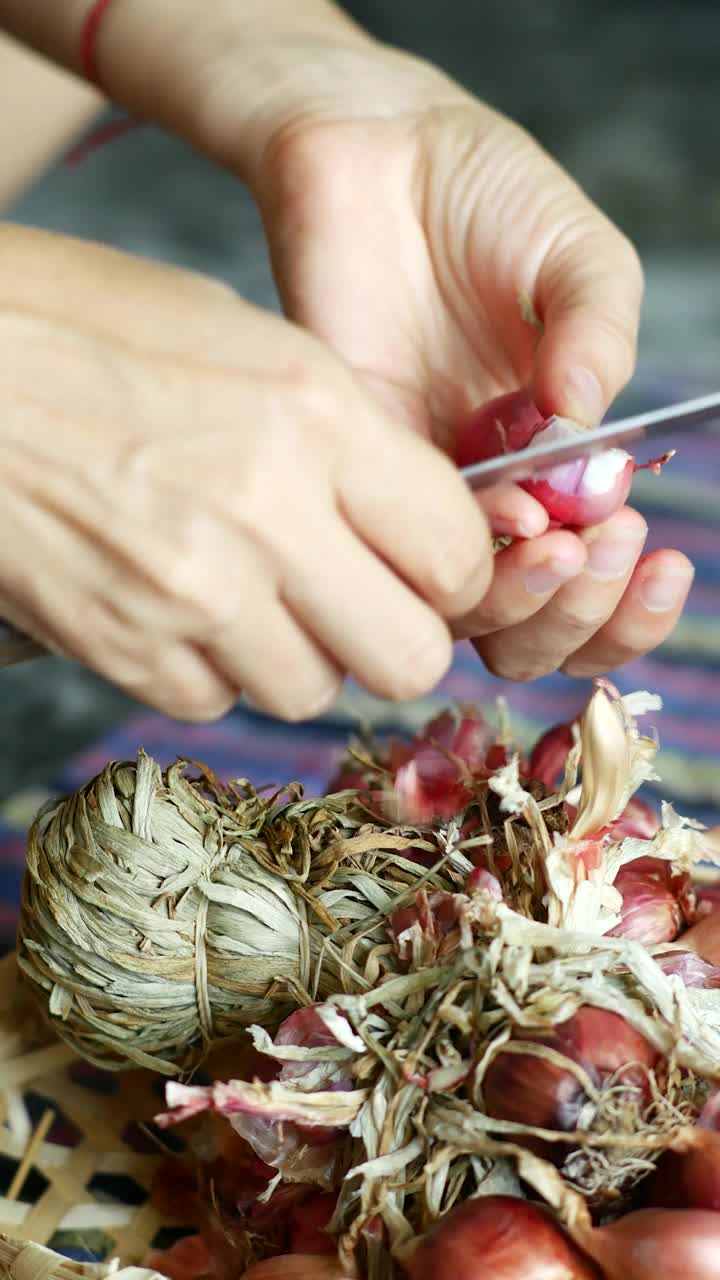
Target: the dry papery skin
(162, 913)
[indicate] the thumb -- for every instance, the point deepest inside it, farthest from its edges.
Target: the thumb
(589, 295)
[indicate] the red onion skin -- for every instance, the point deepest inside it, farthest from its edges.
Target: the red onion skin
(693, 971)
(651, 912)
(428, 774)
(497, 1238)
(437, 914)
(429, 787)
(308, 1225)
(503, 425)
(639, 820)
(467, 737)
(306, 1027)
(657, 1244)
(428, 782)
(548, 756)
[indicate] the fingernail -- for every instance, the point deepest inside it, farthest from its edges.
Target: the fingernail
(550, 575)
(610, 558)
(586, 401)
(661, 592)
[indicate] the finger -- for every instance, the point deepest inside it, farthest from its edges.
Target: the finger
(578, 610)
(512, 512)
(408, 502)
(181, 684)
(527, 575)
(645, 617)
(370, 622)
(589, 294)
(280, 668)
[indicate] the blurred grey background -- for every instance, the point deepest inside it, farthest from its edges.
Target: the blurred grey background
(623, 92)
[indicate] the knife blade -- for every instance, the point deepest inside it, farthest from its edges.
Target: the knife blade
(690, 415)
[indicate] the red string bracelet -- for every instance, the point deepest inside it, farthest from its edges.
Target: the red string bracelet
(88, 39)
(88, 59)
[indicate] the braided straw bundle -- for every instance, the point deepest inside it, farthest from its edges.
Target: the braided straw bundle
(162, 913)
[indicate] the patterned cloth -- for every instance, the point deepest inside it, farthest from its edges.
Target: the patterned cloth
(683, 511)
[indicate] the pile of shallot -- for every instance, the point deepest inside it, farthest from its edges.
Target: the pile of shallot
(518, 1080)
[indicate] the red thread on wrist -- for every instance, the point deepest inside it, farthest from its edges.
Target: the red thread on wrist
(88, 40)
(88, 60)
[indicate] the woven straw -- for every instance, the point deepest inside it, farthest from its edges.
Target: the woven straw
(68, 1174)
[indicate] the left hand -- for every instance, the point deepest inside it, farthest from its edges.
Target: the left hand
(405, 219)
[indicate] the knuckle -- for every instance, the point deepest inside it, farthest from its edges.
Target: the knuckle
(186, 586)
(511, 664)
(575, 626)
(485, 621)
(631, 262)
(622, 333)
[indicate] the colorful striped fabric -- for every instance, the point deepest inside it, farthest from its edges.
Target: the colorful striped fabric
(683, 509)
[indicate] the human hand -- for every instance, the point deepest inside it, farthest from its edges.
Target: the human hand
(405, 219)
(199, 498)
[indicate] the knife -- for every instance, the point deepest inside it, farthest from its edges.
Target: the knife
(691, 415)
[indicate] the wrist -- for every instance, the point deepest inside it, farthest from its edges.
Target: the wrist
(184, 70)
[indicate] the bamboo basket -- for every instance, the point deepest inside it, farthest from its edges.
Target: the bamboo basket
(76, 1162)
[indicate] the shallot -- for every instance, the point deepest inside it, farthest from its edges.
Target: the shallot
(657, 1244)
(532, 1090)
(498, 1237)
(585, 491)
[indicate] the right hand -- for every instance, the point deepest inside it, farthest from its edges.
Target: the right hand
(198, 498)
